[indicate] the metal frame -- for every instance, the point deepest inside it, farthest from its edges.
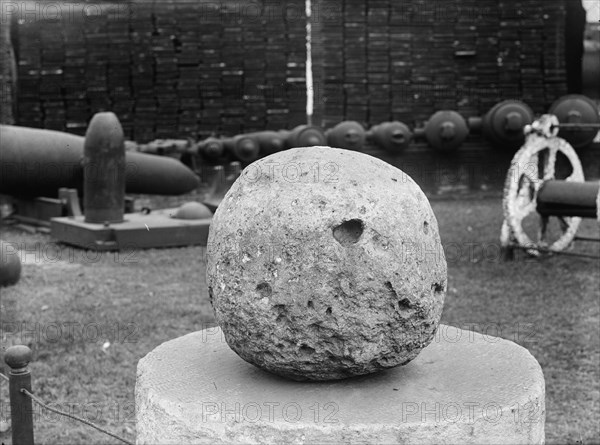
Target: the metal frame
(523, 182)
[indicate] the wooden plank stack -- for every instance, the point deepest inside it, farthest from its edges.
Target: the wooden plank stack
(331, 21)
(486, 93)
(414, 57)
(8, 69)
(183, 68)
(401, 61)
(91, 36)
(553, 50)
(378, 61)
(29, 67)
(145, 112)
(255, 28)
(177, 68)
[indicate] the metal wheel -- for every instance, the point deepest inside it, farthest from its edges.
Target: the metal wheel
(533, 164)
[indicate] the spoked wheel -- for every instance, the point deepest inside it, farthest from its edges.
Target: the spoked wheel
(543, 157)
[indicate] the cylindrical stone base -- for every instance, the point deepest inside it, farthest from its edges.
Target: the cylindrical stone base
(463, 388)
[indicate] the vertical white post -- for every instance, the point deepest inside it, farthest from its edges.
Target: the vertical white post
(309, 78)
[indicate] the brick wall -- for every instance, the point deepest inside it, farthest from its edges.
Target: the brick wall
(189, 68)
(390, 59)
(7, 67)
(166, 68)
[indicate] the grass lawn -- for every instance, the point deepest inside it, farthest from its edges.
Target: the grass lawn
(89, 319)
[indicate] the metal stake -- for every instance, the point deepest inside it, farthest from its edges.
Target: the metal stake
(21, 412)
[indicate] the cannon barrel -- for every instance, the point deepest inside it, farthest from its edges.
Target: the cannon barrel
(269, 141)
(304, 136)
(349, 135)
(211, 149)
(445, 130)
(568, 198)
(164, 147)
(576, 109)
(503, 125)
(242, 147)
(391, 136)
(36, 162)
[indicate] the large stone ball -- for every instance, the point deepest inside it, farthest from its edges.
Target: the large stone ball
(324, 264)
(10, 264)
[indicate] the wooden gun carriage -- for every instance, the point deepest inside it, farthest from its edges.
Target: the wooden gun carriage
(546, 180)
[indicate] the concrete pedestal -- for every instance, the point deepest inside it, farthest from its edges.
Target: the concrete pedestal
(463, 388)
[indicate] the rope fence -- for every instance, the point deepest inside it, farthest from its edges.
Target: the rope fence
(21, 397)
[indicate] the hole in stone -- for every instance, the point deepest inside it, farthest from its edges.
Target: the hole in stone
(264, 289)
(281, 312)
(328, 311)
(425, 227)
(437, 287)
(348, 232)
(278, 308)
(384, 360)
(306, 352)
(210, 295)
(390, 288)
(404, 303)
(310, 304)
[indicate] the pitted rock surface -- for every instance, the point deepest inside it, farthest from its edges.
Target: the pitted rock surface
(324, 264)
